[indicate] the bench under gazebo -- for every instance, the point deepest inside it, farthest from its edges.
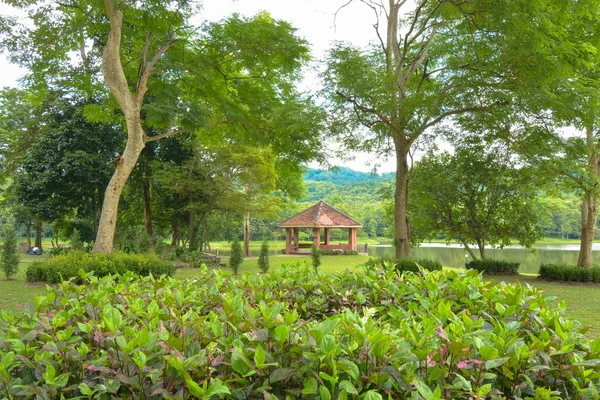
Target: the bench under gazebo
(320, 216)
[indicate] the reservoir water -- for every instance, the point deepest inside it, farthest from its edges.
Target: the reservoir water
(454, 255)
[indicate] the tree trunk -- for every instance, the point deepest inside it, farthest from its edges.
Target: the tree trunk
(28, 233)
(147, 210)
(589, 212)
(481, 247)
(247, 234)
(38, 234)
(589, 208)
(176, 234)
(192, 229)
(401, 226)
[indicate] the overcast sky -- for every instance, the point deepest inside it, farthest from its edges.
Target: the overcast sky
(315, 21)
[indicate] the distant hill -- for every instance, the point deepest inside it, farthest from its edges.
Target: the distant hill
(343, 176)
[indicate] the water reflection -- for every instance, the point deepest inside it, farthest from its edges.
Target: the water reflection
(454, 255)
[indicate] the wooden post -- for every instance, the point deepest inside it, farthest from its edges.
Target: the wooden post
(352, 238)
(326, 235)
(296, 235)
(317, 233)
(288, 240)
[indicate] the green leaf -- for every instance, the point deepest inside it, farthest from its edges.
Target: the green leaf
(217, 387)
(194, 388)
(324, 393)
(50, 372)
(280, 374)
(112, 318)
(348, 387)
(496, 362)
(310, 386)
(488, 353)
(259, 356)
(423, 389)
(372, 395)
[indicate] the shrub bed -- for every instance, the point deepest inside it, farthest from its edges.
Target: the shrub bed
(292, 335)
(569, 273)
(333, 252)
(495, 267)
(64, 267)
(406, 264)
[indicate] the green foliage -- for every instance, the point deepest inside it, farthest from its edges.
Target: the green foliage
(64, 267)
(569, 273)
(476, 195)
(236, 257)
(334, 252)
(495, 267)
(10, 254)
(315, 258)
(159, 247)
(263, 258)
(290, 334)
(405, 264)
(76, 243)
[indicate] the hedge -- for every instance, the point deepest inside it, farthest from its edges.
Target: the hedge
(63, 267)
(494, 267)
(294, 335)
(334, 252)
(569, 273)
(407, 264)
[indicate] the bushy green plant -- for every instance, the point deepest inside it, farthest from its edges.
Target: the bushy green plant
(10, 254)
(334, 252)
(76, 243)
(315, 258)
(143, 242)
(569, 273)
(406, 264)
(159, 247)
(494, 267)
(291, 334)
(64, 267)
(263, 258)
(57, 251)
(236, 257)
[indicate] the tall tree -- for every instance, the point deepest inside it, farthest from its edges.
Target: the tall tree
(231, 73)
(431, 63)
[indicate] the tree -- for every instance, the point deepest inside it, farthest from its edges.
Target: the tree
(236, 257)
(315, 257)
(263, 258)
(233, 74)
(431, 64)
(10, 254)
(474, 196)
(76, 243)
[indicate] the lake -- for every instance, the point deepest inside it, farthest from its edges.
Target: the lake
(454, 254)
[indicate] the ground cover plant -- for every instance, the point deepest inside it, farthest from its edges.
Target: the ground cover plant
(494, 267)
(373, 335)
(407, 263)
(63, 267)
(569, 273)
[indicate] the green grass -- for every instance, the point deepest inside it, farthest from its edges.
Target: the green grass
(583, 300)
(17, 294)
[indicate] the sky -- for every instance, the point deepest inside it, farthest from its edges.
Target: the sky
(315, 20)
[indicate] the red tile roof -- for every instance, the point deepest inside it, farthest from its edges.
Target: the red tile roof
(320, 215)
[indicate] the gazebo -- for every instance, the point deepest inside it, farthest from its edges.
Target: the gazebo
(320, 216)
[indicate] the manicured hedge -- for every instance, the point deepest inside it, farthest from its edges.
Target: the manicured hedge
(569, 273)
(495, 267)
(294, 335)
(407, 264)
(63, 267)
(332, 252)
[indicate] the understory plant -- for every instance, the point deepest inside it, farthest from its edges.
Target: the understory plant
(494, 267)
(10, 254)
(315, 258)
(569, 273)
(263, 258)
(290, 334)
(236, 258)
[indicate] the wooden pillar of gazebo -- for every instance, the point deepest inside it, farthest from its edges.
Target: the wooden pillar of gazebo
(326, 241)
(296, 238)
(352, 238)
(288, 240)
(317, 234)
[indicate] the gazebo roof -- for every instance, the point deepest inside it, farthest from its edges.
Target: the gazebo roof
(320, 215)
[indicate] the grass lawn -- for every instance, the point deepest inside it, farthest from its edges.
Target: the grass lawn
(583, 300)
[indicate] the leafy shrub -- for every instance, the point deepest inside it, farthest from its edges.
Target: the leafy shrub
(236, 258)
(10, 254)
(315, 257)
(406, 264)
(334, 252)
(76, 243)
(290, 334)
(59, 268)
(57, 251)
(263, 258)
(494, 267)
(569, 273)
